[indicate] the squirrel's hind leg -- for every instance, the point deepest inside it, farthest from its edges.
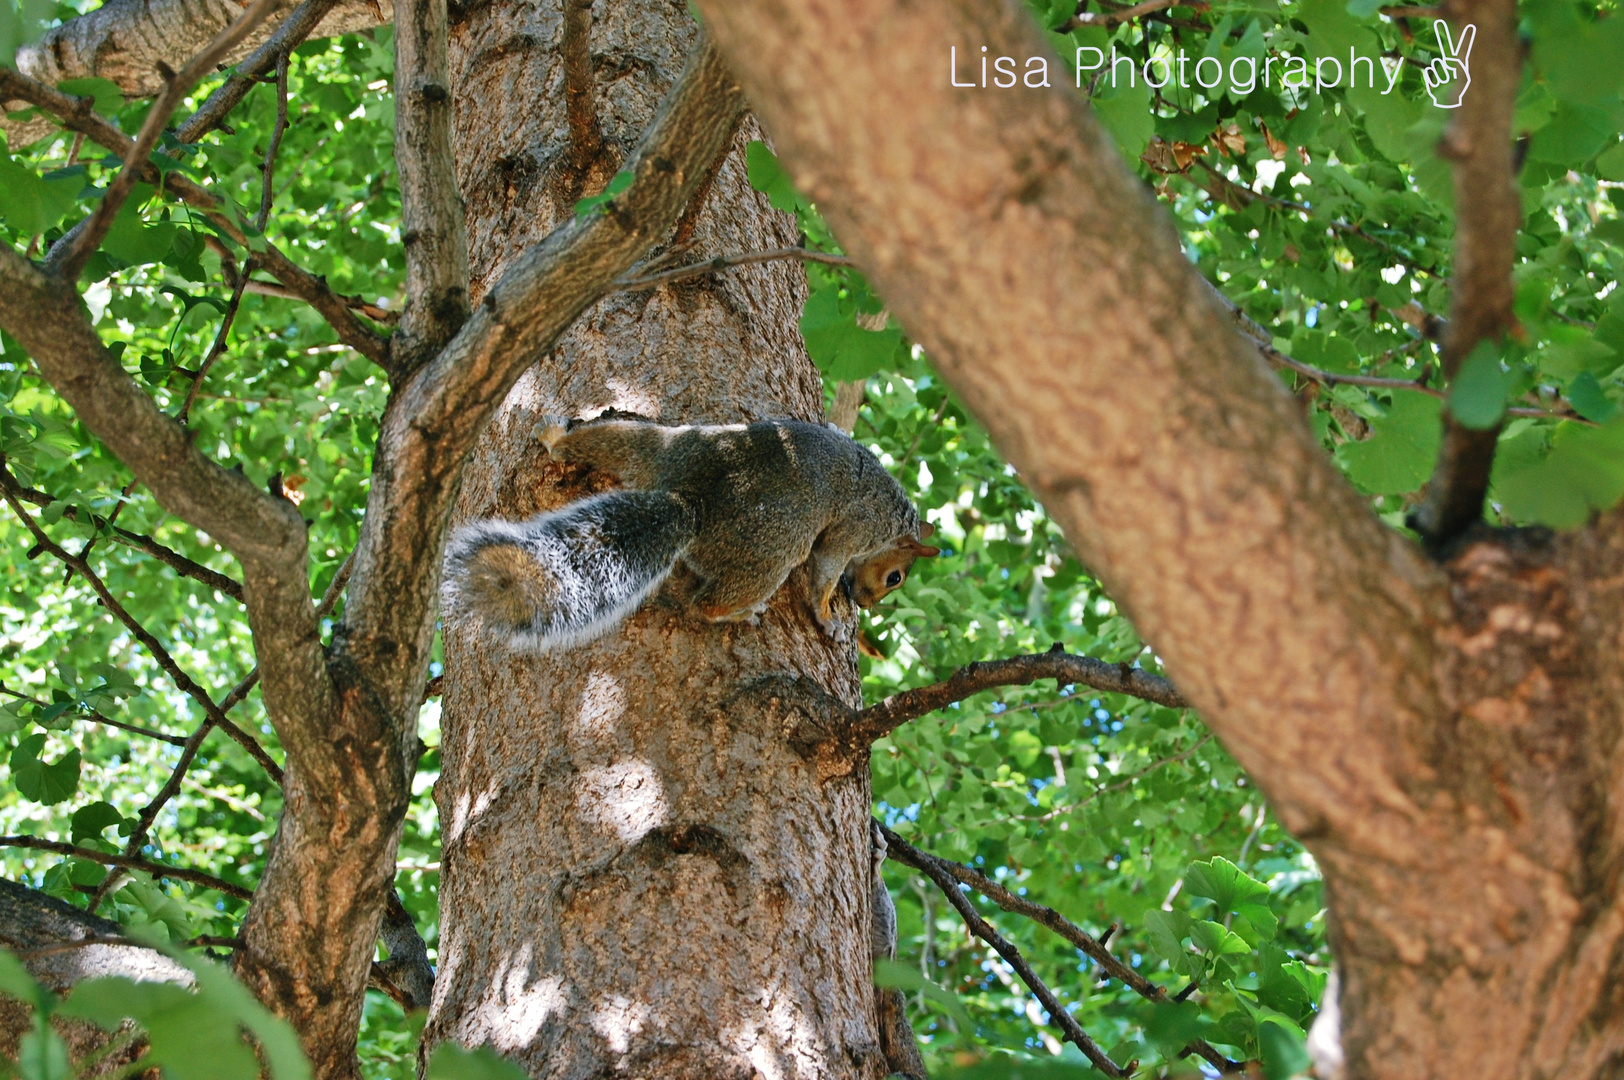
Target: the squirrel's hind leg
(734, 597)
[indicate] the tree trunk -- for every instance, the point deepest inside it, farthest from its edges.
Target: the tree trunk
(640, 875)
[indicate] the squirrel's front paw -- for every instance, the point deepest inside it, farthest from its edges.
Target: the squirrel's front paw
(837, 630)
(550, 429)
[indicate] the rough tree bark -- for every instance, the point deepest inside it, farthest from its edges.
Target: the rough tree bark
(1445, 736)
(694, 896)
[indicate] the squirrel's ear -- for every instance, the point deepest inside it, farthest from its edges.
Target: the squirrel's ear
(923, 551)
(925, 530)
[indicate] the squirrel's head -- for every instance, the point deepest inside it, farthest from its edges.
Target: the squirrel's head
(876, 575)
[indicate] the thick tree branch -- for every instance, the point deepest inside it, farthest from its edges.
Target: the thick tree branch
(1009, 238)
(131, 41)
(432, 226)
(1488, 214)
(877, 721)
(68, 255)
(289, 34)
(265, 533)
(899, 850)
(580, 85)
(936, 870)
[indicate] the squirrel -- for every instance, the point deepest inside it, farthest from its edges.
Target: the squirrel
(741, 506)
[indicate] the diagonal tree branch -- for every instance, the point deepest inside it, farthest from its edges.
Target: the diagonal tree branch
(68, 255)
(1488, 214)
(292, 31)
(905, 853)
(877, 721)
(76, 113)
(432, 226)
(936, 870)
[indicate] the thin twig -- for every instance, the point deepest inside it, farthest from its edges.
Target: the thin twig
(936, 868)
(723, 262)
(1130, 780)
(76, 113)
(216, 349)
(92, 714)
(157, 870)
(182, 680)
(876, 721)
(277, 130)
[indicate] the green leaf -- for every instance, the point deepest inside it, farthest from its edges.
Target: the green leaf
(1588, 400)
(617, 183)
(134, 241)
(1125, 113)
(1610, 165)
(452, 1062)
(109, 99)
(1477, 396)
(47, 782)
(42, 1055)
(16, 981)
(1398, 457)
(768, 177)
(89, 820)
(1224, 883)
(843, 350)
(1283, 1050)
(31, 203)
(891, 973)
(1582, 474)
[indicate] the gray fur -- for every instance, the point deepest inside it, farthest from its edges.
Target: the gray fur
(603, 555)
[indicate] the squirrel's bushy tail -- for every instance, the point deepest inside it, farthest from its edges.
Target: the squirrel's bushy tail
(564, 578)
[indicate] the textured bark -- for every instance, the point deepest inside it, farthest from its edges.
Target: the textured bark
(1446, 739)
(695, 896)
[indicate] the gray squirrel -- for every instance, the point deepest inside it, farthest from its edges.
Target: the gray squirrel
(741, 506)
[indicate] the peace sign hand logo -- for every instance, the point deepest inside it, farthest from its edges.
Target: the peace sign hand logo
(1448, 76)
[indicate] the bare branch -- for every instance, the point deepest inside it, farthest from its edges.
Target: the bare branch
(407, 969)
(877, 721)
(1488, 214)
(1265, 345)
(432, 226)
(723, 262)
(293, 30)
(68, 255)
(936, 870)
(157, 870)
(899, 850)
(580, 92)
(277, 130)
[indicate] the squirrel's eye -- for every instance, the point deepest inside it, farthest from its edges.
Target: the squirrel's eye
(893, 579)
